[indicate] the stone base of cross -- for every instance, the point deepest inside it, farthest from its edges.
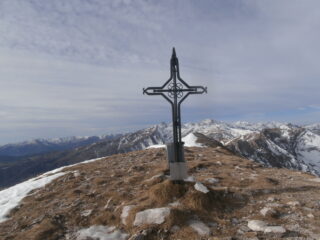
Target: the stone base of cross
(175, 90)
(178, 169)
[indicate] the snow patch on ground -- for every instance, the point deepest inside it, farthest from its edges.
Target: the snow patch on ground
(72, 165)
(99, 232)
(191, 141)
(156, 146)
(151, 216)
(11, 197)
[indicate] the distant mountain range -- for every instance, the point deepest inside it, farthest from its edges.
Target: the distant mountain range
(39, 146)
(274, 144)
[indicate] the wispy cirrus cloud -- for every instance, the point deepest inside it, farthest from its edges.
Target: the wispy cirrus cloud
(79, 66)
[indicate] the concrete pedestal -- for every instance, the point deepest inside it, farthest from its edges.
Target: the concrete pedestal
(178, 169)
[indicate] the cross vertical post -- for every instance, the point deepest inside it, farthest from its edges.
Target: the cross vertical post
(175, 90)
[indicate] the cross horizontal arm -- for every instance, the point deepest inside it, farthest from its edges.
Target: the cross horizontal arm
(198, 90)
(159, 90)
(152, 91)
(147, 91)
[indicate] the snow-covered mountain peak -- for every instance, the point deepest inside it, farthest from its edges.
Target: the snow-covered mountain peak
(315, 128)
(308, 150)
(242, 124)
(273, 144)
(208, 121)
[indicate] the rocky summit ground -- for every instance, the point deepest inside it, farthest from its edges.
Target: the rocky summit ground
(129, 196)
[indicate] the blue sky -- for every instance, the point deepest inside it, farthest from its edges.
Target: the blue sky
(78, 67)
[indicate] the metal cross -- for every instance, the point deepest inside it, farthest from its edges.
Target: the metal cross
(175, 90)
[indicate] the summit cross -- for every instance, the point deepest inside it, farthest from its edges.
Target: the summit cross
(175, 90)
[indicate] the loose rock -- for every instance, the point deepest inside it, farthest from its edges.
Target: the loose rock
(293, 203)
(268, 212)
(151, 216)
(201, 188)
(212, 180)
(274, 229)
(200, 228)
(257, 225)
(125, 213)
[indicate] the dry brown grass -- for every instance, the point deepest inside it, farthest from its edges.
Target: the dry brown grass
(45, 230)
(216, 200)
(105, 218)
(167, 192)
(241, 193)
(198, 201)
(177, 217)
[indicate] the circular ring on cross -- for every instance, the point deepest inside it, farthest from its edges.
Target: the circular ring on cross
(178, 88)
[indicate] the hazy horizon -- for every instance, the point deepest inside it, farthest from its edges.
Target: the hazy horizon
(150, 125)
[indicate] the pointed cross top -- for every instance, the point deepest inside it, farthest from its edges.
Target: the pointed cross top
(174, 61)
(174, 52)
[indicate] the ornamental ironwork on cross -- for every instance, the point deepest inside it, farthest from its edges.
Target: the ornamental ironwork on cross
(175, 90)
